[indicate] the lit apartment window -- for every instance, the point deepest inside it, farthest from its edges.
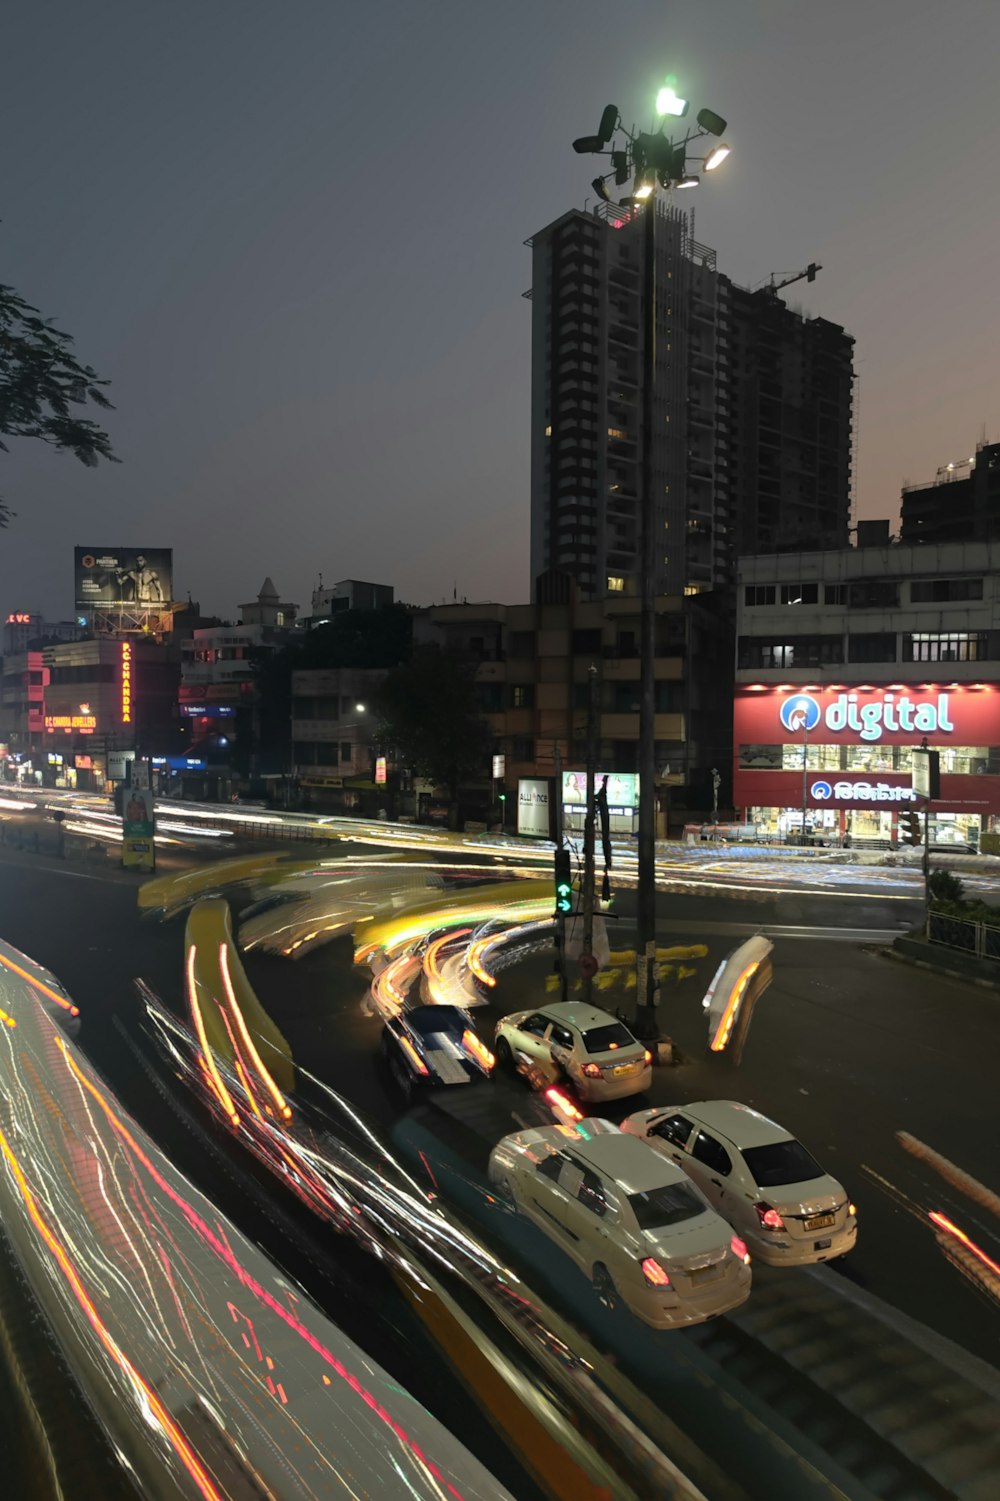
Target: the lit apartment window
(616, 432)
(548, 431)
(616, 584)
(692, 588)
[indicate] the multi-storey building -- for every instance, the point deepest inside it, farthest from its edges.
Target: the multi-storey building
(846, 661)
(751, 438)
(350, 594)
(961, 505)
(534, 678)
(22, 629)
(333, 726)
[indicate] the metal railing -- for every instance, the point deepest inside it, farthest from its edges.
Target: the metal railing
(980, 939)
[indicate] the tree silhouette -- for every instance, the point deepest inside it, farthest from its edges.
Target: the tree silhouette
(41, 381)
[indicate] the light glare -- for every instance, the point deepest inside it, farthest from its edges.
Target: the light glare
(668, 103)
(717, 156)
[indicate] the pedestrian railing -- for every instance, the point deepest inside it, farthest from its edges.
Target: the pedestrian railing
(978, 938)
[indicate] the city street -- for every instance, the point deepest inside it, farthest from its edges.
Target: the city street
(846, 1048)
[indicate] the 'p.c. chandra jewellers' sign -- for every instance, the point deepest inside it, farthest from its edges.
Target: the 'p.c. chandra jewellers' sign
(860, 792)
(869, 716)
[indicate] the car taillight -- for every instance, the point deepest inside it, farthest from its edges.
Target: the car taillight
(769, 1218)
(478, 1049)
(592, 1070)
(563, 1105)
(852, 1209)
(413, 1055)
(654, 1273)
(739, 1248)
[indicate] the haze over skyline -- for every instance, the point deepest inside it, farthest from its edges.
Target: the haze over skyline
(291, 237)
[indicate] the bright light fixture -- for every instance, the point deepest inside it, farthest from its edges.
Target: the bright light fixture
(668, 103)
(643, 190)
(359, 708)
(717, 156)
(689, 180)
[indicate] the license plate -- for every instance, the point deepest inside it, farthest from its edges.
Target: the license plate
(623, 1068)
(705, 1273)
(820, 1221)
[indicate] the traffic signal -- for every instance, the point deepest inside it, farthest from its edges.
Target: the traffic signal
(909, 828)
(564, 882)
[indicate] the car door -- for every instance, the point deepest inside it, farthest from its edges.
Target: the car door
(552, 1187)
(672, 1134)
(587, 1215)
(711, 1167)
(562, 1043)
(529, 1037)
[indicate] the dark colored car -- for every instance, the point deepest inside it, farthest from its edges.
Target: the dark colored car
(430, 1046)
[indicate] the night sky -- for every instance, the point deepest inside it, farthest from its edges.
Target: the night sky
(290, 233)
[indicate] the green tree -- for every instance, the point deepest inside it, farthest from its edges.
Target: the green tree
(427, 709)
(41, 381)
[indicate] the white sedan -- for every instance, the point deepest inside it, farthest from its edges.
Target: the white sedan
(771, 1190)
(589, 1049)
(633, 1223)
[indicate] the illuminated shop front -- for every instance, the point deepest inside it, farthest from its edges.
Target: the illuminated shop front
(843, 755)
(623, 800)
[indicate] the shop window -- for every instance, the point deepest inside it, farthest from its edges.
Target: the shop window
(818, 757)
(945, 646)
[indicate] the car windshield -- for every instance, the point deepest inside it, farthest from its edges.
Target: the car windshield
(606, 1039)
(430, 1019)
(781, 1162)
(670, 1205)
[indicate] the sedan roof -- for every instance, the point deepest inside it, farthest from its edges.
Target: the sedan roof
(578, 1014)
(742, 1126)
(629, 1160)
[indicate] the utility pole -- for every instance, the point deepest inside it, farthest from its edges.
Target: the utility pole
(589, 829)
(805, 778)
(646, 992)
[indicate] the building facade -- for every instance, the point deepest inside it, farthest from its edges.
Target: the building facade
(847, 661)
(22, 629)
(350, 594)
(533, 682)
(752, 434)
(333, 740)
(961, 505)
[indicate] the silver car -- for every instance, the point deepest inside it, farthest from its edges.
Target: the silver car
(771, 1190)
(633, 1223)
(590, 1049)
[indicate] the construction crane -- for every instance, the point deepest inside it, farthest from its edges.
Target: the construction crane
(774, 286)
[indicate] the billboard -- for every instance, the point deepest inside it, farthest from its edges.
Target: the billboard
(138, 829)
(623, 789)
(533, 807)
(948, 713)
(123, 578)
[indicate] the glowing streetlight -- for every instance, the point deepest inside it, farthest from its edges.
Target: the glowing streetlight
(716, 156)
(669, 103)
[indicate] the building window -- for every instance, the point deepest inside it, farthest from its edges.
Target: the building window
(521, 644)
(867, 594)
(694, 588)
(616, 584)
(799, 594)
(835, 594)
(522, 749)
(586, 642)
(522, 696)
(617, 432)
(871, 646)
(789, 651)
(949, 646)
(759, 594)
(939, 591)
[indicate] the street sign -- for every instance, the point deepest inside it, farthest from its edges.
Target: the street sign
(499, 767)
(927, 774)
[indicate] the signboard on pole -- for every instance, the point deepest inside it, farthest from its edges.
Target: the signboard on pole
(380, 770)
(138, 821)
(533, 807)
(927, 775)
(499, 768)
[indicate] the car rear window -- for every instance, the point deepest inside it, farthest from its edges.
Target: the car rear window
(781, 1162)
(430, 1019)
(605, 1039)
(669, 1205)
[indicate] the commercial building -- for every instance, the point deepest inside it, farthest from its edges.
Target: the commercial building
(24, 629)
(752, 437)
(533, 682)
(962, 504)
(847, 661)
(333, 744)
(74, 713)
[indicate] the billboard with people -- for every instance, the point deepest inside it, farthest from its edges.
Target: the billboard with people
(110, 578)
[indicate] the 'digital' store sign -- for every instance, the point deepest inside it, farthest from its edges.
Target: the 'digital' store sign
(945, 713)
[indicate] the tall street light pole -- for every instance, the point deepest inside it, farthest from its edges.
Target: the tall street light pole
(653, 160)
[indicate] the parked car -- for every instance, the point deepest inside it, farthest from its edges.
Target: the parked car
(633, 1223)
(434, 1045)
(771, 1190)
(589, 1049)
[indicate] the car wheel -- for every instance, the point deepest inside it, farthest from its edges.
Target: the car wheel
(604, 1286)
(505, 1057)
(403, 1080)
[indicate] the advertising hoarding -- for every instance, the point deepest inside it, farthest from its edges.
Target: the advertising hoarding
(138, 849)
(533, 807)
(123, 578)
(949, 713)
(623, 789)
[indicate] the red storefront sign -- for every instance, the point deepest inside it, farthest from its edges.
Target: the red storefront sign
(883, 792)
(898, 714)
